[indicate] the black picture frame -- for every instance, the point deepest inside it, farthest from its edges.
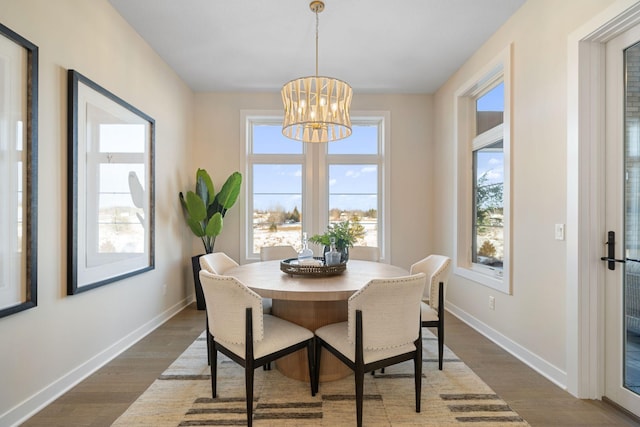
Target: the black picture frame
(111, 212)
(19, 111)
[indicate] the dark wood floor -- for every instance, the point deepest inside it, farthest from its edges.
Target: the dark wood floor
(102, 397)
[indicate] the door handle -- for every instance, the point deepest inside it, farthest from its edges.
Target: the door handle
(611, 251)
(604, 258)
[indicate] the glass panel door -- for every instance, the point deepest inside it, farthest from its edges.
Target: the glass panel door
(631, 293)
(622, 218)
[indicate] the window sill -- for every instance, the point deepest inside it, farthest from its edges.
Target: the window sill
(485, 276)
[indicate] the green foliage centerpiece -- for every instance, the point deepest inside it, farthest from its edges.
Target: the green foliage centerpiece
(346, 234)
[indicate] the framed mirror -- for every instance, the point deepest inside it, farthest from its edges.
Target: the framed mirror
(18, 172)
(110, 187)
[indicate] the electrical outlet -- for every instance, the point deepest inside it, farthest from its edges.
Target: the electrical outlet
(492, 303)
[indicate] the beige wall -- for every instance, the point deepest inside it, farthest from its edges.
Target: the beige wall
(531, 321)
(218, 149)
(48, 348)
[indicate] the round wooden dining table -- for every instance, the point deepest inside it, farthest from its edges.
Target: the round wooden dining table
(311, 302)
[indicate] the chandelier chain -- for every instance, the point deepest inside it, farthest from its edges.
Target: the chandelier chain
(317, 25)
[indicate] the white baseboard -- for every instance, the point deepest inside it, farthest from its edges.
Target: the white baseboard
(535, 362)
(29, 407)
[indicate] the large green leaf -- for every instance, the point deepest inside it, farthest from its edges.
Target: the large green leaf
(229, 193)
(195, 207)
(196, 227)
(204, 187)
(214, 227)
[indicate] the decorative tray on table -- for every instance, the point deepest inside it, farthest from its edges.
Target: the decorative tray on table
(291, 266)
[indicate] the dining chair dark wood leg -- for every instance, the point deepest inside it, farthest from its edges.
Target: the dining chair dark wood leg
(249, 392)
(249, 366)
(208, 342)
(311, 361)
(317, 352)
(214, 365)
(359, 377)
(440, 324)
(417, 370)
(359, 369)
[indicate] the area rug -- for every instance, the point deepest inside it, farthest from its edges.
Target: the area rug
(452, 397)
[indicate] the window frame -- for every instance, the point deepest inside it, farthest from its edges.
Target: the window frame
(315, 161)
(466, 142)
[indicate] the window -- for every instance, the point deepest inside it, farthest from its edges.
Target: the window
(488, 180)
(294, 187)
(354, 166)
(483, 170)
(274, 178)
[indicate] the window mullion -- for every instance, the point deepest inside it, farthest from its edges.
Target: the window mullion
(487, 138)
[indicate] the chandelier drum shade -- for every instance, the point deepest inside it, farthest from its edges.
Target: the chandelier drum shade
(316, 108)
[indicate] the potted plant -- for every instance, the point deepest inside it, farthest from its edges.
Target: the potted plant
(346, 234)
(204, 210)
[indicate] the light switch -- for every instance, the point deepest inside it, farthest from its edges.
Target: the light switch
(559, 231)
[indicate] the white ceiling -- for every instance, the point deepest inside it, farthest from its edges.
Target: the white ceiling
(377, 46)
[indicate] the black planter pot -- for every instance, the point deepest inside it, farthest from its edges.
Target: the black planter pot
(195, 265)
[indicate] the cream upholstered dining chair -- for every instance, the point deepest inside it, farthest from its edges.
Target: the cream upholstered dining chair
(217, 262)
(270, 253)
(365, 253)
(220, 263)
(438, 269)
(383, 328)
(239, 329)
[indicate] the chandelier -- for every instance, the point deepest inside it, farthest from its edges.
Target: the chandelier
(316, 108)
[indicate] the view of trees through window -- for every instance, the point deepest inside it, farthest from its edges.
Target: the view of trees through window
(489, 218)
(277, 227)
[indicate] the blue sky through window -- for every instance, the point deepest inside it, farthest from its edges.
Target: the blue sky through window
(277, 186)
(268, 139)
(351, 186)
(492, 100)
